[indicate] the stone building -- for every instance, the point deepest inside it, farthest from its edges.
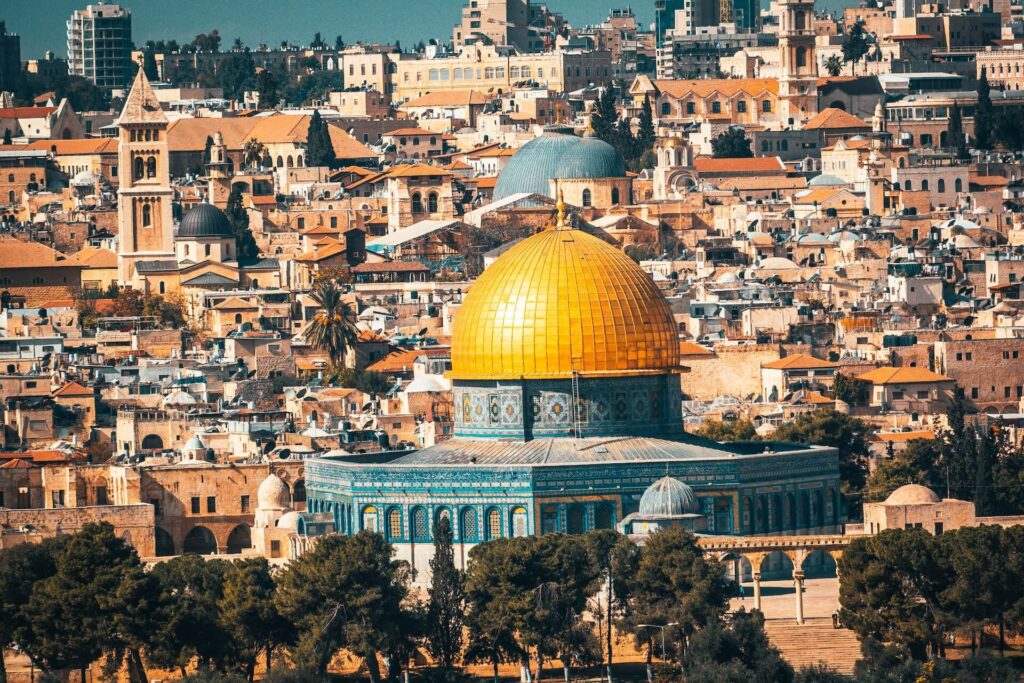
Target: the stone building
(918, 507)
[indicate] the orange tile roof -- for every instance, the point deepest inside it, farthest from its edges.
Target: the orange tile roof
(413, 170)
(36, 456)
(26, 112)
(799, 361)
(76, 146)
(689, 348)
(905, 436)
(711, 165)
(727, 87)
(990, 181)
(833, 117)
(73, 389)
(94, 257)
(320, 254)
(17, 254)
(401, 361)
(902, 375)
(486, 183)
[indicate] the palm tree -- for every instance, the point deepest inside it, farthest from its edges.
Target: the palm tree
(333, 329)
(253, 153)
(834, 65)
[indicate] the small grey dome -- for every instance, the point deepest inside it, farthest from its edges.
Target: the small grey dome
(592, 157)
(205, 220)
(669, 497)
(826, 180)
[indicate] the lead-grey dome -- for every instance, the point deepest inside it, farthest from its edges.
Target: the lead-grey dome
(536, 162)
(205, 220)
(592, 157)
(669, 497)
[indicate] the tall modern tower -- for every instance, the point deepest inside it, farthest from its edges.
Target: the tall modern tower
(10, 58)
(100, 45)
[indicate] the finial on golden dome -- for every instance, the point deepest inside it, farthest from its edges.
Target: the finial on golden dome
(560, 212)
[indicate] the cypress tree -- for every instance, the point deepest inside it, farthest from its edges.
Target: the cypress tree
(645, 126)
(245, 243)
(446, 611)
(984, 119)
(319, 150)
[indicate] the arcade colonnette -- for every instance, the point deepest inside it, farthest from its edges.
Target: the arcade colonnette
(565, 370)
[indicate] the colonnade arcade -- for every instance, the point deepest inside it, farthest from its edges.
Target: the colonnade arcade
(756, 549)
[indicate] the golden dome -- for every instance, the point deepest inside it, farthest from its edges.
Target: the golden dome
(559, 301)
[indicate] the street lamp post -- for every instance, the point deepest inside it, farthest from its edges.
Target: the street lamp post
(662, 627)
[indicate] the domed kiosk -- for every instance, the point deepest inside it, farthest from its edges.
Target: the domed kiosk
(666, 503)
(567, 408)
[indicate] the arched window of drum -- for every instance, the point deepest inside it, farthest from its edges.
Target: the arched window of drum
(417, 203)
(493, 524)
(576, 517)
(370, 518)
(519, 523)
(432, 202)
(395, 523)
(420, 531)
(587, 201)
(467, 525)
(442, 513)
(615, 195)
(603, 518)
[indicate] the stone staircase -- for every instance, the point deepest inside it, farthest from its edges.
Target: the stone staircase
(814, 641)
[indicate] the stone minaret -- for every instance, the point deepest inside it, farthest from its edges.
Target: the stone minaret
(218, 172)
(145, 224)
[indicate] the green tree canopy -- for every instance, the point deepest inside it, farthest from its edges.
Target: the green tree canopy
(731, 144)
(246, 249)
(332, 330)
(831, 428)
(347, 592)
(727, 430)
(735, 652)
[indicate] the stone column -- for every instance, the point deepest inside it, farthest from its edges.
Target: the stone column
(798, 581)
(757, 590)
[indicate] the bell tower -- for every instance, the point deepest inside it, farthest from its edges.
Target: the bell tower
(144, 195)
(798, 66)
(218, 173)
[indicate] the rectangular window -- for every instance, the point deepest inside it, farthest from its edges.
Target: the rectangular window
(211, 503)
(155, 502)
(195, 505)
(58, 498)
(101, 495)
(244, 504)
(922, 393)
(974, 392)
(959, 356)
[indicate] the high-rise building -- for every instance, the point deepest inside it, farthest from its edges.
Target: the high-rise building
(665, 17)
(10, 58)
(526, 26)
(100, 45)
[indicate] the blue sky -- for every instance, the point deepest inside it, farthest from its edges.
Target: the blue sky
(40, 23)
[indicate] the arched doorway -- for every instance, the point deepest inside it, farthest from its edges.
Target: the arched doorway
(819, 565)
(200, 541)
(239, 539)
(164, 543)
(152, 442)
(776, 565)
(299, 491)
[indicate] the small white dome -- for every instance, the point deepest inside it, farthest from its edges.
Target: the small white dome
(273, 494)
(669, 497)
(84, 179)
(194, 445)
(289, 520)
(913, 494)
(423, 385)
